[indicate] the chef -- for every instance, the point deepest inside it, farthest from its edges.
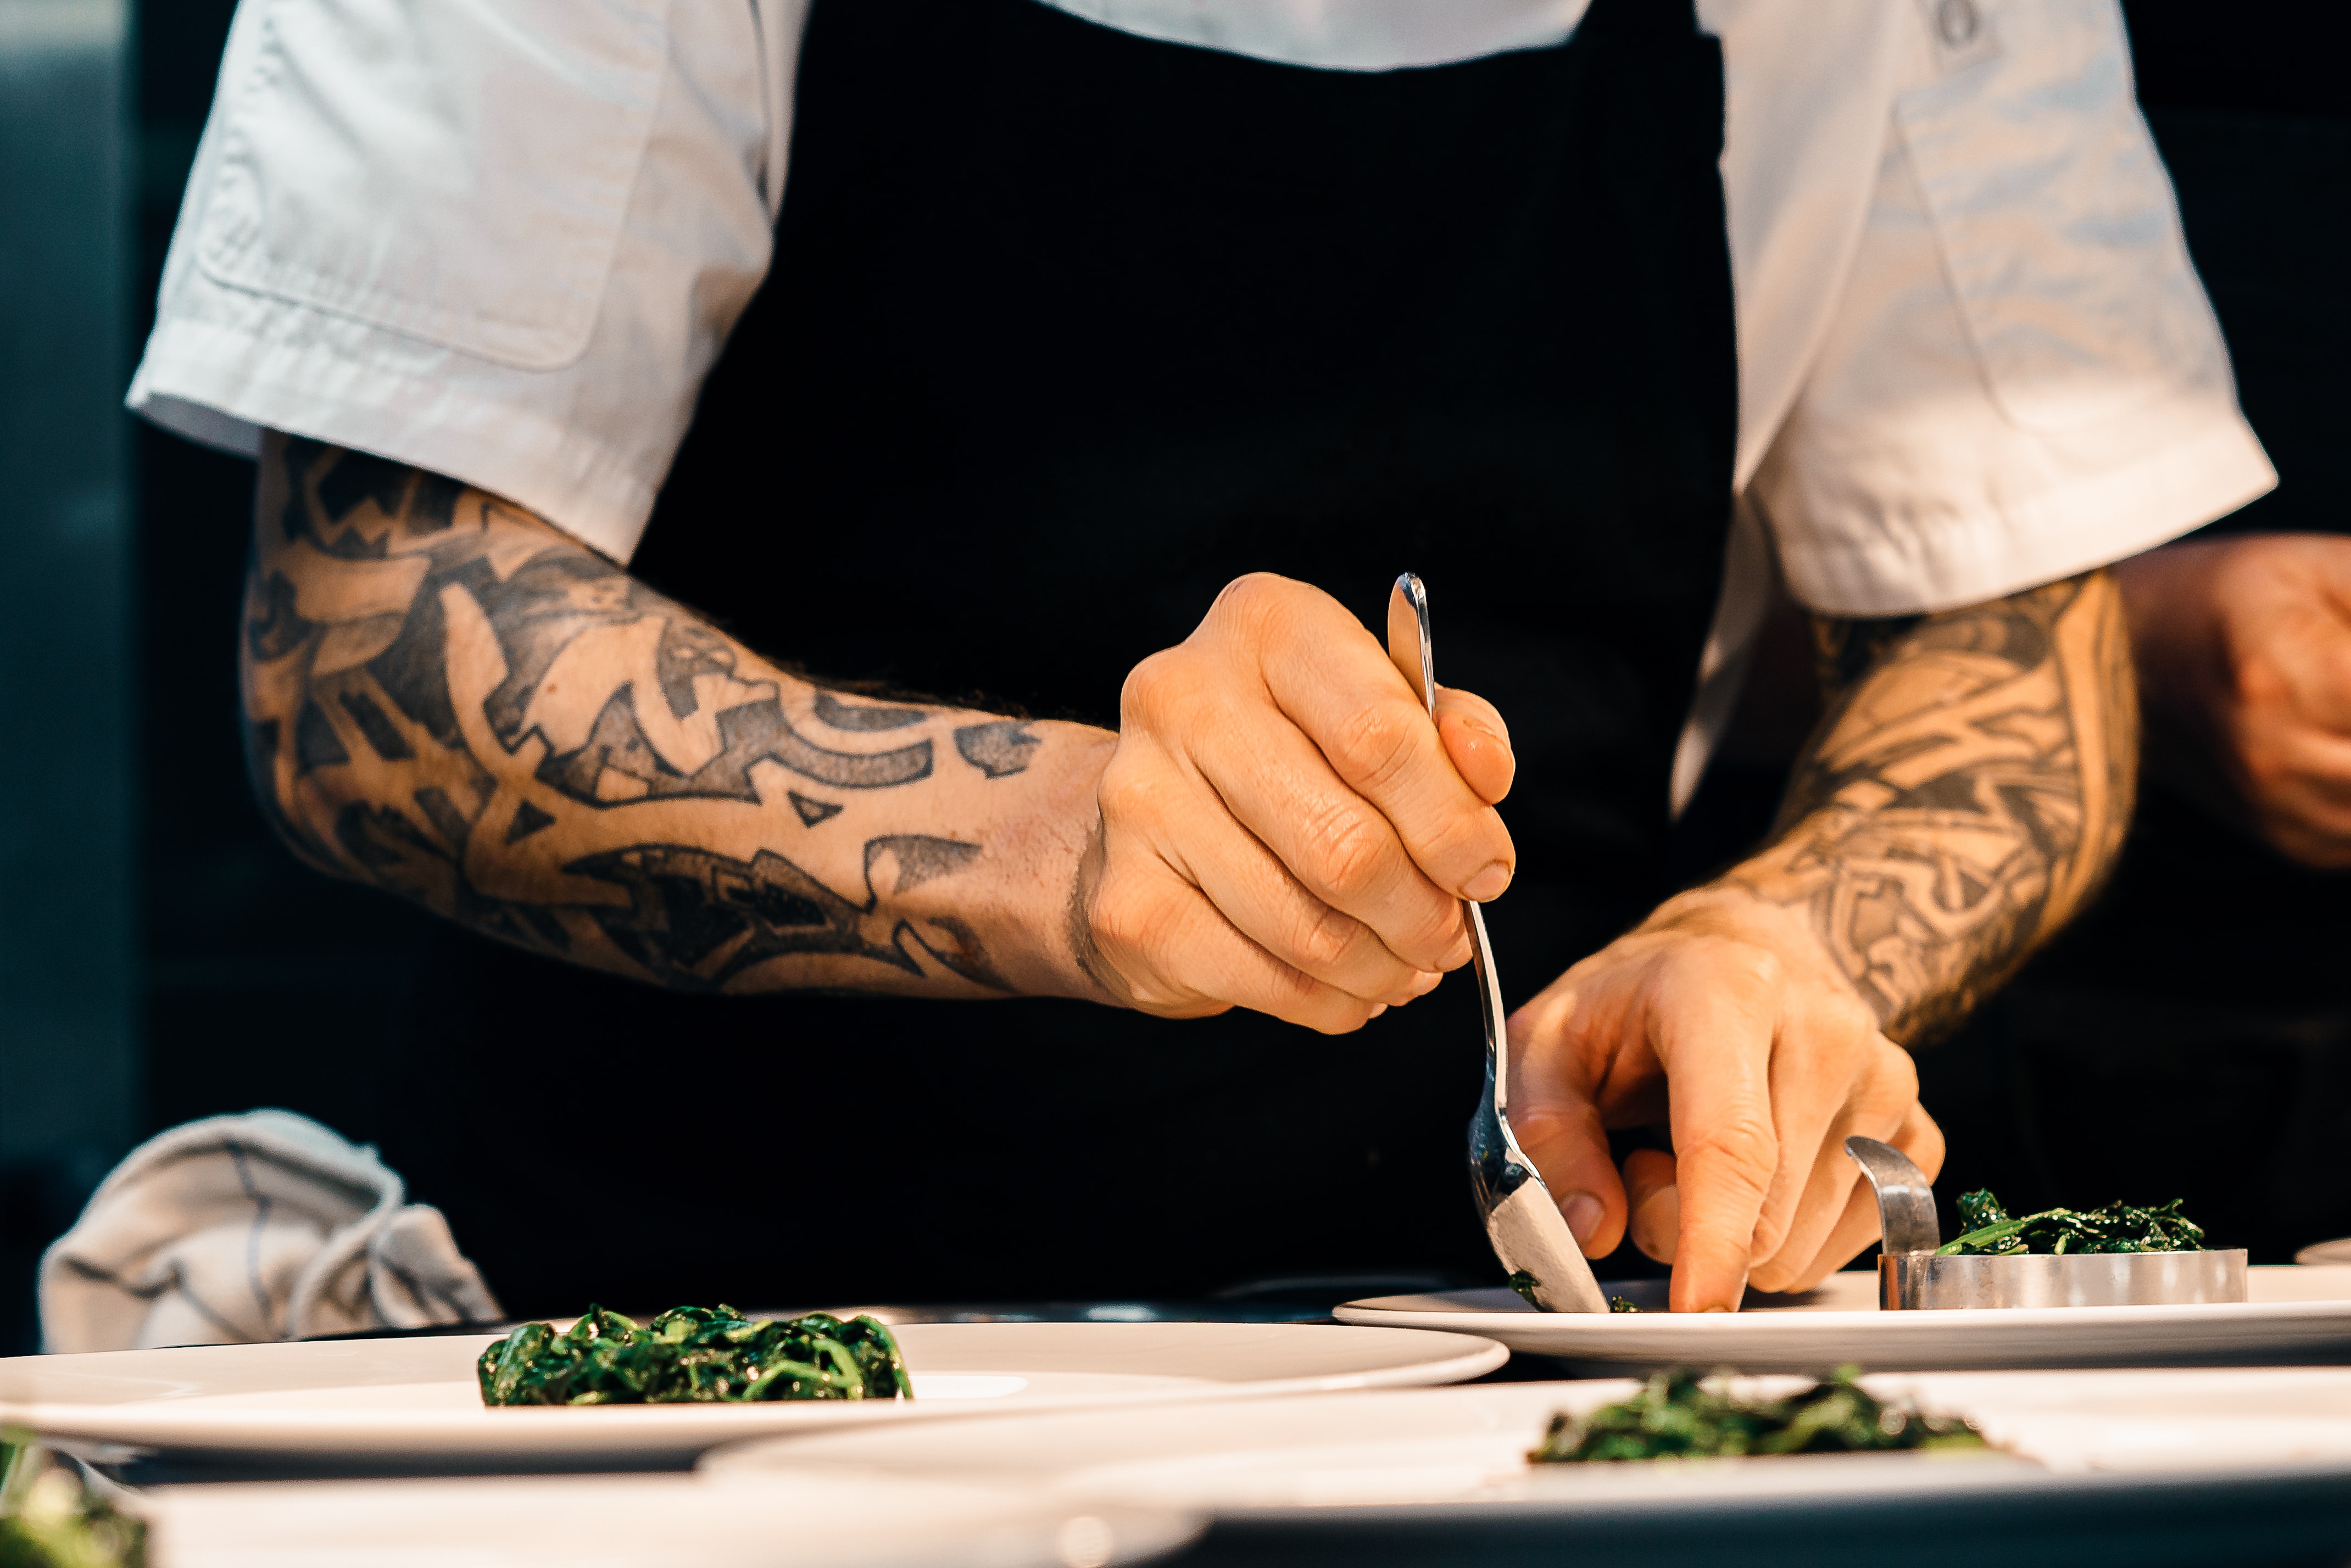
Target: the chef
(835, 544)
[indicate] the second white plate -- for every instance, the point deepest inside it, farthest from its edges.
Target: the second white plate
(2173, 1465)
(641, 1521)
(405, 1400)
(2295, 1313)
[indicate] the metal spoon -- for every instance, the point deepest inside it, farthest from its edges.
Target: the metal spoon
(1524, 1225)
(1905, 1199)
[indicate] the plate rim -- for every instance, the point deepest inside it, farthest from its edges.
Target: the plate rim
(663, 1428)
(1366, 1314)
(784, 1452)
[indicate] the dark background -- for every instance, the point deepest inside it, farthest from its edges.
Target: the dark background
(2193, 1036)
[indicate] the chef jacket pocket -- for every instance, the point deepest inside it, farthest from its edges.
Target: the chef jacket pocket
(2059, 235)
(457, 171)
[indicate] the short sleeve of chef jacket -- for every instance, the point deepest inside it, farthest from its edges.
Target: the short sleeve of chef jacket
(505, 239)
(2014, 375)
(500, 239)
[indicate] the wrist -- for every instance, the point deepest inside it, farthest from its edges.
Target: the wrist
(2178, 648)
(1047, 849)
(1749, 904)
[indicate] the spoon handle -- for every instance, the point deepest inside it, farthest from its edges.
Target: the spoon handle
(1524, 1225)
(1412, 597)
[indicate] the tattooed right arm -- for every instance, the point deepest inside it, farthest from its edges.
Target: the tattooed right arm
(447, 697)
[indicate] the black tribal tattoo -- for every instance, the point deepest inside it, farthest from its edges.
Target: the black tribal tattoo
(1965, 795)
(450, 699)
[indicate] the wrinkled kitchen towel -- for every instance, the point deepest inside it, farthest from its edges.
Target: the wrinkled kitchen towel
(236, 1230)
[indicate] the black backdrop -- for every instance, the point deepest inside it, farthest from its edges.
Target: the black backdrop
(2209, 998)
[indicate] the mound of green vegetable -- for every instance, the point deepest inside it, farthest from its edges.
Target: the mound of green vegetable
(2118, 1227)
(690, 1354)
(1681, 1415)
(49, 1518)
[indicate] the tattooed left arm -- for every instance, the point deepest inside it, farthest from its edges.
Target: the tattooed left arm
(1965, 795)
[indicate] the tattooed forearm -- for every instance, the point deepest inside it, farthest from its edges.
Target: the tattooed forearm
(1963, 798)
(450, 699)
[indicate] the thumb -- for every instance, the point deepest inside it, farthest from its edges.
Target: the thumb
(1558, 1127)
(1477, 741)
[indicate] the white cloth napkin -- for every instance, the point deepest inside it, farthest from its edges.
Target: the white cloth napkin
(236, 1230)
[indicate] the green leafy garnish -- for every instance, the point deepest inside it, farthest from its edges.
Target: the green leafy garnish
(1682, 1415)
(2118, 1227)
(693, 1354)
(1526, 1284)
(49, 1518)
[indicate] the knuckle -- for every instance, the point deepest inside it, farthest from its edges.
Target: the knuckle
(1120, 788)
(1758, 970)
(1302, 999)
(1895, 1077)
(1130, 921)
(1847, 1017)
(1136, 792)
(1252, 600)
(1836, 1038)
(1376, 744)
(1740, 1151)
(1442, 939)
(1348, 848)
(1745, 969)
(1928, 1149)
(2254, 679)
(1324, 941)
(1150, 688)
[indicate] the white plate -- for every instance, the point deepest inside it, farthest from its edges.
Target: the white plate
(405, 1399)
(2295, 1313)
(842, 1521)
(2128, 1451)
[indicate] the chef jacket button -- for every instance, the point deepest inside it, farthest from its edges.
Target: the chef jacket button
(1957, 22)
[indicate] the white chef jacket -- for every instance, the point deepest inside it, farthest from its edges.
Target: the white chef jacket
(504, 240)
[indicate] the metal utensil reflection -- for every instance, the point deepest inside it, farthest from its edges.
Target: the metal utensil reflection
(1521, 1221)
(1912, 1276)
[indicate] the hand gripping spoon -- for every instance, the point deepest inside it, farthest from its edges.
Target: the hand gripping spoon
(1521, 1221)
